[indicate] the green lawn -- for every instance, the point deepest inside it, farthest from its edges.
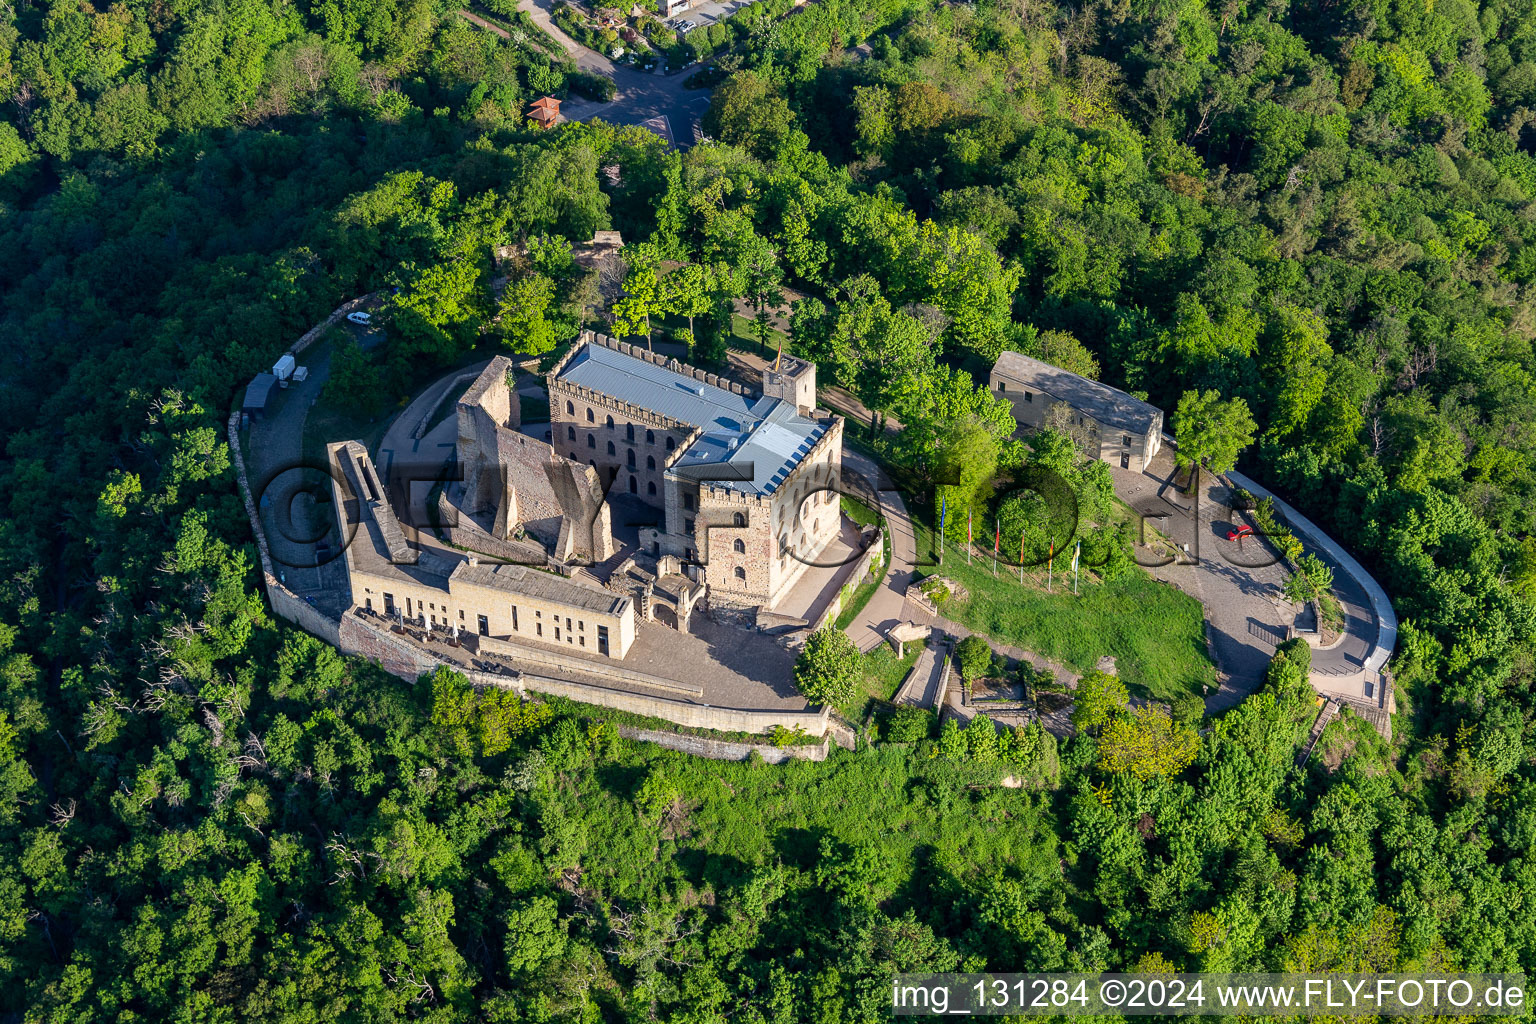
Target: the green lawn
(744, 334)
(883, 675)
(859, 512)
(856, 602)
(1155, 632)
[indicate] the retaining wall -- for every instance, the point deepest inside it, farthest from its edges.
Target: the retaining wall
(726, 750)
(530, 655)
(866, 563)
(314, 333)
(697, 716)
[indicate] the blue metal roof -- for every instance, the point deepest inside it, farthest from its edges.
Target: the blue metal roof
(766, 435)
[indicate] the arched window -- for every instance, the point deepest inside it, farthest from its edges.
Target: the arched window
(671, 444)
(610, 422)
(650, 488)
(650, 462)
(629, 432)
(650, 437)
(591, 441)
(738, 519)
(570, 433)
(631, 458)
(570, 410)
(590, 417)
(741, 573)
(610, 449)
(633, 485)
(740, 546)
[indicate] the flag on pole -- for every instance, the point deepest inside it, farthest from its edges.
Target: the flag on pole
(1075, 552)
(943, 508)
(1050, 567)
(1021, 556)
(997, 540)
(969, 514)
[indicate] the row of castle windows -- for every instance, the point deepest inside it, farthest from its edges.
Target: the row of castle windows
(650, 460)
(629, 428)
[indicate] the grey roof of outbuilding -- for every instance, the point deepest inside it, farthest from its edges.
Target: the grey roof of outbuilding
(259, 391)
(750, 443)
(1110, 406)
(542, 586)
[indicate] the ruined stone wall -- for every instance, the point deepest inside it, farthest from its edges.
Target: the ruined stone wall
(486, 408)
(726, 750)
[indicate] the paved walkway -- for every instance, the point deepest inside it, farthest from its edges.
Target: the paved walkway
(884, 609)
(1362, 648)
(290, 496)
(1240, 584)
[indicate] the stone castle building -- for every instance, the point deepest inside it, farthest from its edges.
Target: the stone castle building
(518, 546)
(742, 481)
(444, 590)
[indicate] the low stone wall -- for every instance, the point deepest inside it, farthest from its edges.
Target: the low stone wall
(402, 658)
(726, 750)
(872, 556)
(530, 655)
(941, 699)
(238, 457)
(314, 333)
(694, 716)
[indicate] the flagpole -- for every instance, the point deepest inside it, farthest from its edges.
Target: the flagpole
(1050, 568)
(997, 536)
(1075, 552)
(943, 507)
(969, 541)
(1021, 556)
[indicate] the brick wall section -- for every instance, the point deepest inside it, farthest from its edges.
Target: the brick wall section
(725, 750)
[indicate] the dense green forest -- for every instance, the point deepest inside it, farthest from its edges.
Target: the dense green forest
(1327, 209)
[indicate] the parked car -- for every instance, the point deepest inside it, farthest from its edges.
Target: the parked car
(686, 26)
(1241, 531)
(360, 318)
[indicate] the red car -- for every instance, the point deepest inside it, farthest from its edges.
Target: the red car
(1241, 531)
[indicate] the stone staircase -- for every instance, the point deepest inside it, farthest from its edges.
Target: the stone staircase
(1329, 713)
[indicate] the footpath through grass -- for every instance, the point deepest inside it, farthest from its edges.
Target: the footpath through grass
(1155, 632)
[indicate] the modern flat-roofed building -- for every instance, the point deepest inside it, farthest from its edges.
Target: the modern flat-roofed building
(742, 479)
(1119, 428)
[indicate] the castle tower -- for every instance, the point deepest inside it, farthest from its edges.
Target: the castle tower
(794, 381)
